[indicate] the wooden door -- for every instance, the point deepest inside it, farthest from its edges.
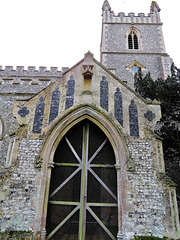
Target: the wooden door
(83, 191)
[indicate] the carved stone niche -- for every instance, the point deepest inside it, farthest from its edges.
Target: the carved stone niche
(87, 73)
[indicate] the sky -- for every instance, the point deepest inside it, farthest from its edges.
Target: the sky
(57, 33)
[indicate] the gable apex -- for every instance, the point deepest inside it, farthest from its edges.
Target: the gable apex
(89, 54)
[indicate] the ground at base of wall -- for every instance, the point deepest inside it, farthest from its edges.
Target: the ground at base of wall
(16, 235)
(19, 235)
(150, 238)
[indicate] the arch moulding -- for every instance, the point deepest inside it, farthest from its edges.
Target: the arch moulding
(54, 136)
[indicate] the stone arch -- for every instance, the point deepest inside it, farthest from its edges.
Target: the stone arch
(59, 129)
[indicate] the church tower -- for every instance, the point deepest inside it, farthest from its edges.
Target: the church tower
(130, 42)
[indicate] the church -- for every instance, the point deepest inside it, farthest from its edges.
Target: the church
(79, 156)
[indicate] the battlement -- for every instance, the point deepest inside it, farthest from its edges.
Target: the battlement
(131, 18)
(152, 18)
(31, 71)
(19, 78)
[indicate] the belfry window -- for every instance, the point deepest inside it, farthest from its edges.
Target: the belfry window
(133, 40)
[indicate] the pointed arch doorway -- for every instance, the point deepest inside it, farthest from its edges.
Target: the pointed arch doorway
(83, 190)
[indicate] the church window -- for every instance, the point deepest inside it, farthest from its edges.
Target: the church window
(39, 114)
(133, 119)
(135, 69)
(54, 104)
(104, 93)
(133, 40)
(130, 41)
(70, 92)
(118, 108)
(135, 66)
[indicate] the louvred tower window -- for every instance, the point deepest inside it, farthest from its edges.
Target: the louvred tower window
(133, 40)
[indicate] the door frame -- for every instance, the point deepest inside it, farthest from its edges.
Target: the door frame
(55, 134)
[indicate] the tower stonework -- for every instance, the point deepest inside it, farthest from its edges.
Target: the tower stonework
(129, 42)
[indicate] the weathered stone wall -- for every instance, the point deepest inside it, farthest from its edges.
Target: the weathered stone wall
(116, 39)
(146, 193)
(9, 124)
(19, 84)
(19, 204)
(18, 187)
(120, 61)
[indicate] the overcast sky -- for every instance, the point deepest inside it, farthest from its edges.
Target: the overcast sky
(57, 33)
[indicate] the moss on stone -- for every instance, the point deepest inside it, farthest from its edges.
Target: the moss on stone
(166, 180)
(16, 235)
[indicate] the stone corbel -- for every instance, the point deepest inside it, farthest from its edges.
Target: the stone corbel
(88, 70)
(38, 162)
(118, 167)
(51, 165)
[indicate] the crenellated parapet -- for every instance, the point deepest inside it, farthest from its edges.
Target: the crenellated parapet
(152, 18)
(31, 71)
(10, 76)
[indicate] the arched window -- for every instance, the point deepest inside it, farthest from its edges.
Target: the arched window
(133, 40)
(130, 42)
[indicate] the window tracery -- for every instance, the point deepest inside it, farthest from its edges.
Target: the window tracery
(133, 39)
